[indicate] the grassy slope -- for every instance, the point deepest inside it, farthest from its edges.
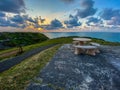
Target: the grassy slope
(19, 76)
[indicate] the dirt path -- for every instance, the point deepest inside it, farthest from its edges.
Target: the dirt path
(9, 53)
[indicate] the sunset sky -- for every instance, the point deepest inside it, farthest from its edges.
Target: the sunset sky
(41, 15)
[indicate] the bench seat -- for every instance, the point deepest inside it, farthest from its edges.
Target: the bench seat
(88, 49)
(95, 44)
(85, 47)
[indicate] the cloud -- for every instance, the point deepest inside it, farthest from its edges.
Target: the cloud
(36, 20)
(13, 6)
(23, 19)
(2, 14)
(94, 20)
(111, 16)
(54, 24)
(72, 22)
(20, 21)
(8, 23)
(114, 21)
(86, 9)
(108, 13)
(4, 22)
(87, 4)
(86, 12)
(68, 1)
(31, 20)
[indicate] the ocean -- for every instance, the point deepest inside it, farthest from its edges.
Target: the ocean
(108, 36)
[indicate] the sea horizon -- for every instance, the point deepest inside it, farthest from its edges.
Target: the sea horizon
(107, 36)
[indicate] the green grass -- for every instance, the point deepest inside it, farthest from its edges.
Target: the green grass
(19, 76)
(103, 42)
(48, 42)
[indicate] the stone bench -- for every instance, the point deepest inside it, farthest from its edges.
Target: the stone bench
(94, 44)
(88, 49)
(97, 45)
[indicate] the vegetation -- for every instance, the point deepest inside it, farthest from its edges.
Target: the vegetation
(19, 76)
(17, 39)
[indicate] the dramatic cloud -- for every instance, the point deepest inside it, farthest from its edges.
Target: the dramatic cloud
(72, 22)
(20, 21)
(13, 6)
(111, 16)
(7, 23)
(36, 21)
(87, 9)
(56, 23)
(93, 20)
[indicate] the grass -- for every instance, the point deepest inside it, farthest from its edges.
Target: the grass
(103, 42)
(19, 76)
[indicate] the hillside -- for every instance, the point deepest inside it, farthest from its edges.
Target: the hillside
(23, 39)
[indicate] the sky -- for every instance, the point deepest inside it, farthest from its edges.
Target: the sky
(59, 15)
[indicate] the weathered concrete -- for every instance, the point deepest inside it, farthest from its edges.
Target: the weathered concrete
(68, 71)
(112, 55)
